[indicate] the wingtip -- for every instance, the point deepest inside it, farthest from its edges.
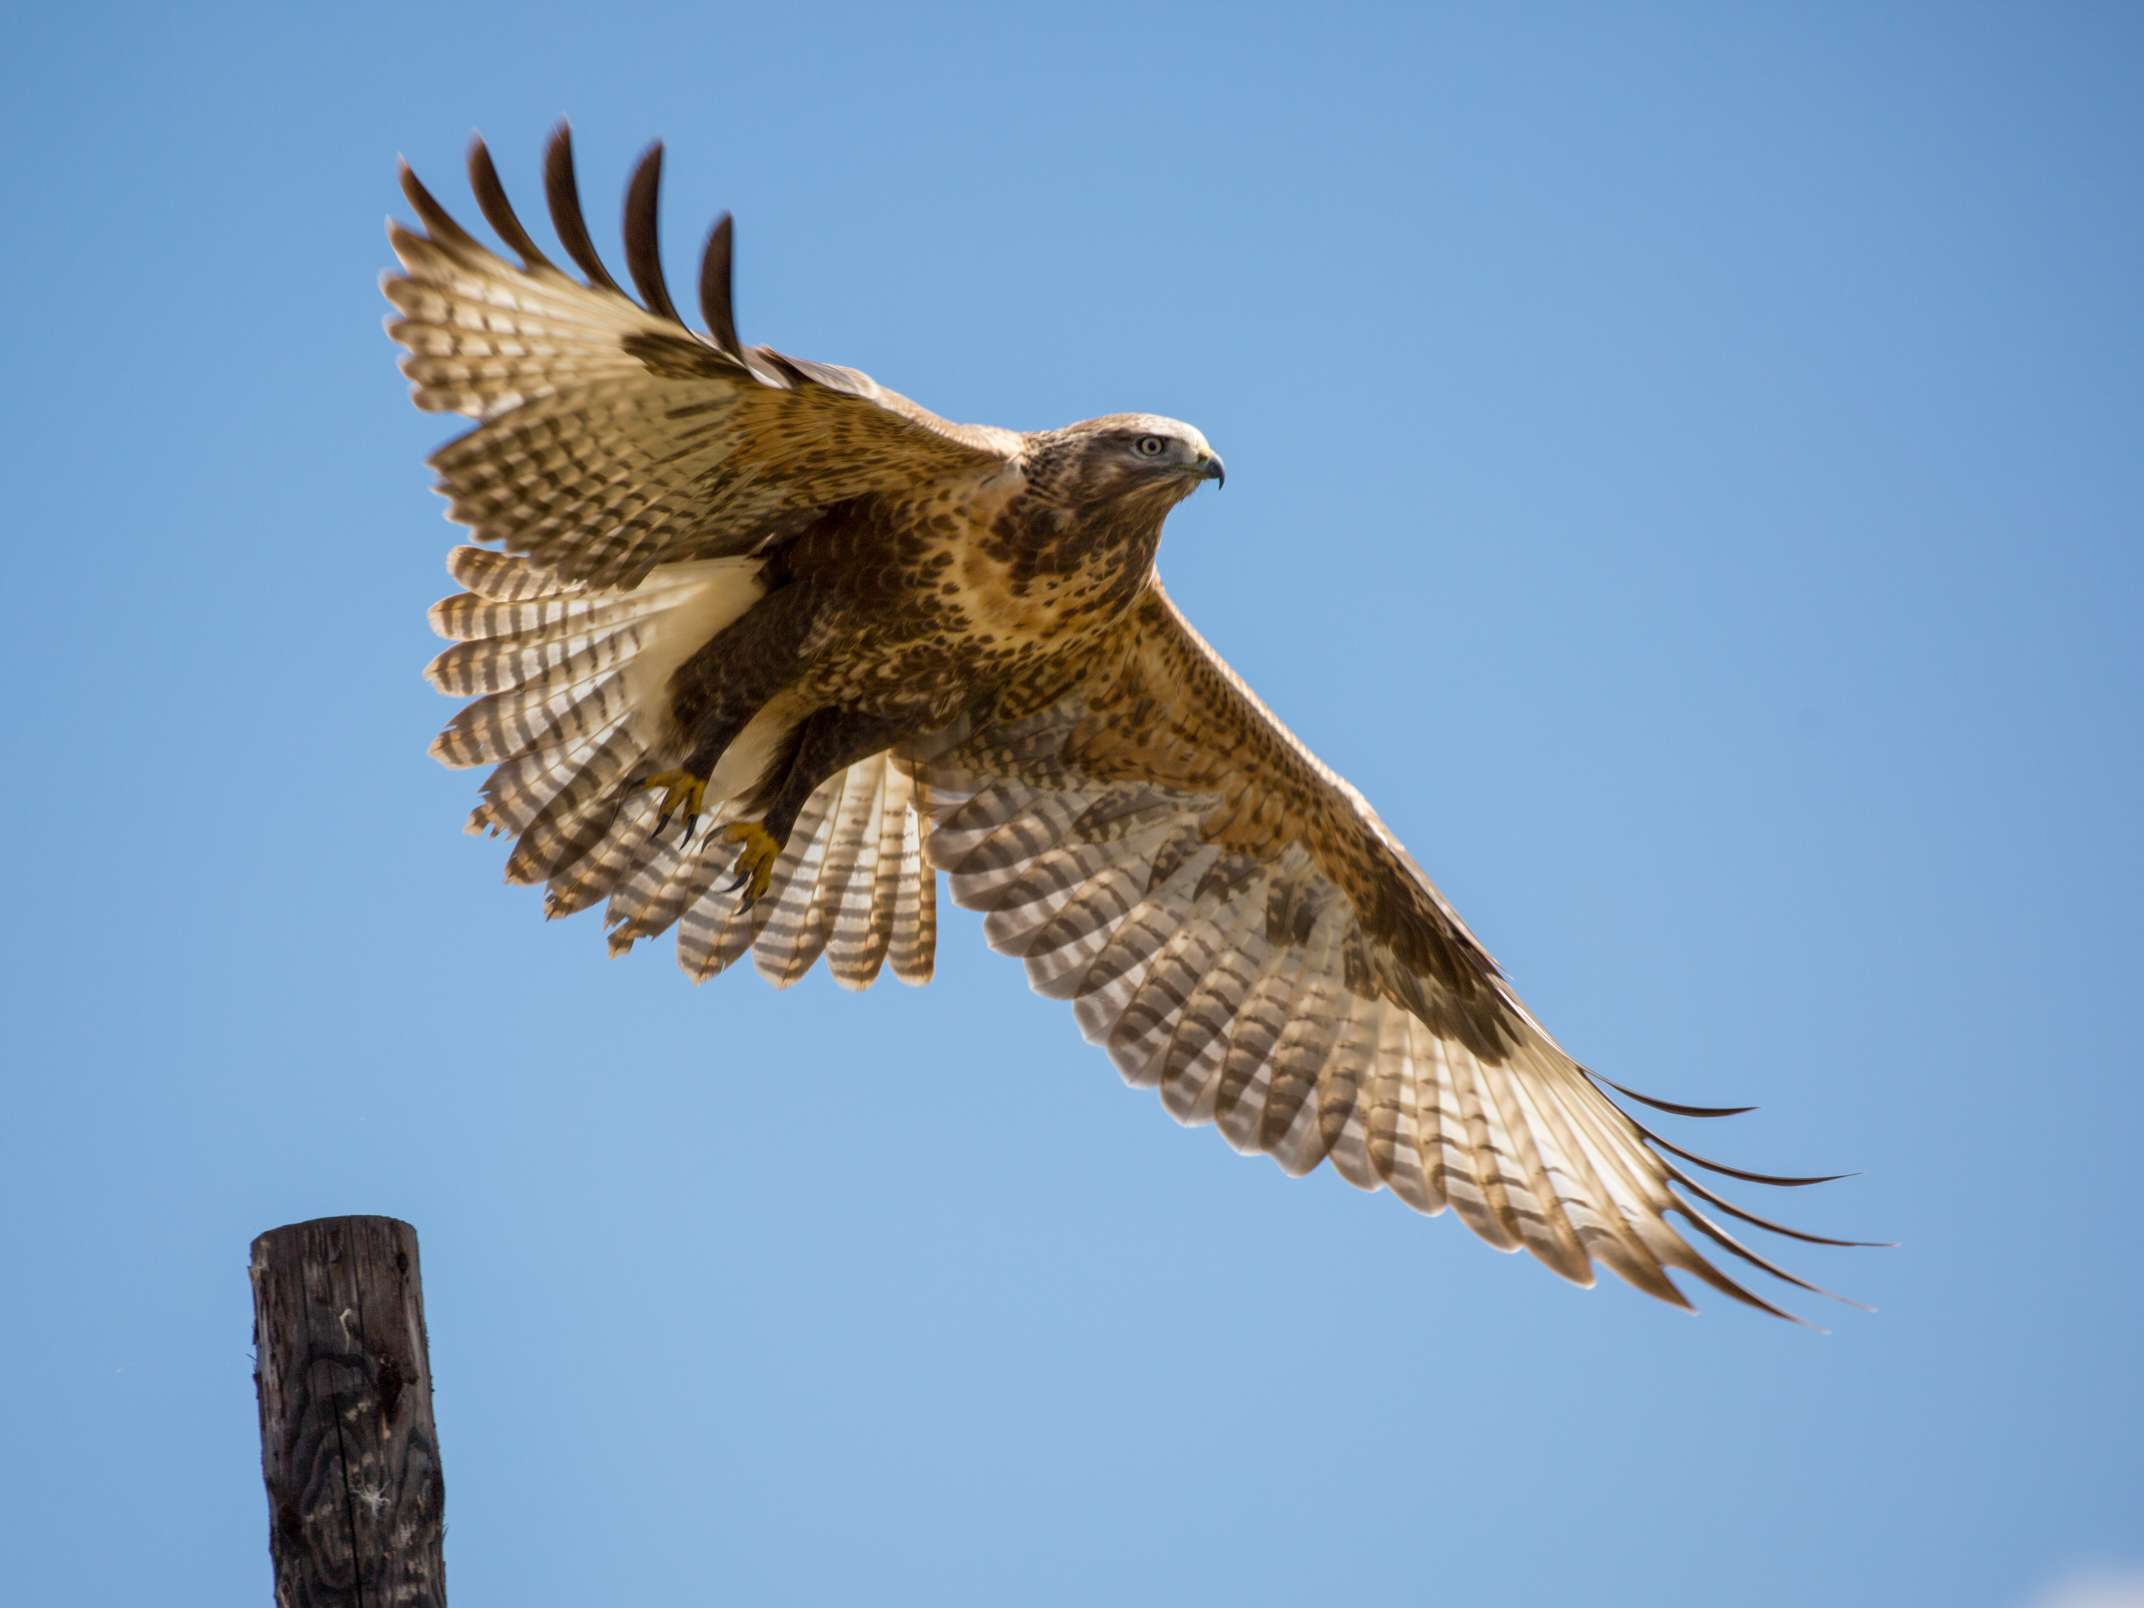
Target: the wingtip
(643, 253)
(412, 186)
(562, 192)
(1677, 1108)
(1726, 1241)
(718, 303)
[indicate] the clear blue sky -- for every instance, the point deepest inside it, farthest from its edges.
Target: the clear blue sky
(1684, 467)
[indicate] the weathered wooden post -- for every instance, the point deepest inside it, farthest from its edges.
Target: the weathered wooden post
(355, 1501)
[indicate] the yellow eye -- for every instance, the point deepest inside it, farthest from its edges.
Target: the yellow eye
(1150, 446)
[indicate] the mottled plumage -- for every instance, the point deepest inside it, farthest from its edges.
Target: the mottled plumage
(750, 612)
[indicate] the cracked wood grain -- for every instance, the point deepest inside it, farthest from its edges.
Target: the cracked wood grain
(348, 1448)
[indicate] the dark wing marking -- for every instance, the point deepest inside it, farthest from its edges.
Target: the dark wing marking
(1237, 927)
(612, 437)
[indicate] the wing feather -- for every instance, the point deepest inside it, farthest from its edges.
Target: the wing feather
(1239, 929)
(612, 438)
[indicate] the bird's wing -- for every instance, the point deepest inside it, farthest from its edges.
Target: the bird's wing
(613, 438)
(1238, 928)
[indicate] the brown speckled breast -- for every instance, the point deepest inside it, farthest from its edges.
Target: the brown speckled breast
(937, 601)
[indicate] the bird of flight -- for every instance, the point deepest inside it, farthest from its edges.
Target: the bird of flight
(757, 647)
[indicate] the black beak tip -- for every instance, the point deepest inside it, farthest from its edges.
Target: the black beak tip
(1216, 470)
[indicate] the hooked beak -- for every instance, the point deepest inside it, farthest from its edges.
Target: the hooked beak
(1212, 468)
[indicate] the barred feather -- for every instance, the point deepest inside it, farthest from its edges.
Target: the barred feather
(503, 578)
(1256, 989)
(863, 924)
(572, 680)
(558, 710)
(912, 948)
(851, 845)
(625, 842)
(712, 935)
(474, 669)
(1371, 1053)
(1191, 1065)
(578, 814)
(791, 937)
(611, 438)
(649, 900)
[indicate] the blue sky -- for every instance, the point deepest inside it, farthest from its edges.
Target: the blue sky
(1683, 467)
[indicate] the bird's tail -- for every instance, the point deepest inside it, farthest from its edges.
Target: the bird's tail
(570, 690)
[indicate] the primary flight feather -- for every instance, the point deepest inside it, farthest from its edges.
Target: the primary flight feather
(756, 646)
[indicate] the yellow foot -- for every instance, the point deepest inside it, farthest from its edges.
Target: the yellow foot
(683, 794)
(755, 861)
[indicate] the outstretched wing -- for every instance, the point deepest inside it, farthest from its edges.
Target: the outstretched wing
(1233, 922)
(614, 438)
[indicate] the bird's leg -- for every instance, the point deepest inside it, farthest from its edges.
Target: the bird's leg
(715, 693)
(824, 743)
(684, 793)
(685, 786)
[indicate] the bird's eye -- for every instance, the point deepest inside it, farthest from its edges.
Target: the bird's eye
(1150, 446)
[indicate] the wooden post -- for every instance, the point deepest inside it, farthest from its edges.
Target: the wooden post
(355, 1502)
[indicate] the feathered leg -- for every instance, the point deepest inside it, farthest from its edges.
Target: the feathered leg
(716, 693)
(825, 742)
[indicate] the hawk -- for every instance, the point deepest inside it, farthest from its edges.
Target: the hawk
(757, 647)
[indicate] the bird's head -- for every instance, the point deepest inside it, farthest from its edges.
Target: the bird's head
(1137, 459)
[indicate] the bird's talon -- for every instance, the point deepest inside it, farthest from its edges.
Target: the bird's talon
(683, 794)
(755, 860)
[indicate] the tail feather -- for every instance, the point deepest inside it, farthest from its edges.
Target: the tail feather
(843, 898)
(528, 720)
(914, 945)
(579, 813)
(664, 886)
(570, 689)
(474, 669)
(503, 577)
(792, 931)
(628, 841)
